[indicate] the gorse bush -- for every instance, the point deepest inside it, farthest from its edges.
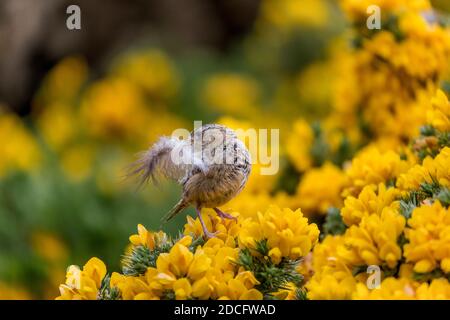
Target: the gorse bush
(364, 179)
(396, 218)
(374, 175)
(249, 259)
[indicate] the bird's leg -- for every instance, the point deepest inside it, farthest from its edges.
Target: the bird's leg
(224, 215)
(205, 230)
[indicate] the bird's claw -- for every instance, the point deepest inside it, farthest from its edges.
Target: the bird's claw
(224, 215)
(210, 235)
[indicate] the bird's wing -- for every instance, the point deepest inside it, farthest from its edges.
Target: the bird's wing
(161, 160)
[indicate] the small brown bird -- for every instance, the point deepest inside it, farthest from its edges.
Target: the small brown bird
(212, 165)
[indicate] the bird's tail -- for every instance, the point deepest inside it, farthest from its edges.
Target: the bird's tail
(182, 204)
(153, 161)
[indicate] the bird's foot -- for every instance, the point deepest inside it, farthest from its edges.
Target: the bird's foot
(206, 232)
(210, 235)
(224, 215)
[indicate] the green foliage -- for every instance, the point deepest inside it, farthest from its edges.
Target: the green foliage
(333, 223)
(168, 295)
(431, 142)
(140, 258)
(262, 247)
(322, 152)
(388, 23)
(320, 149)
(359, 269)
(427, 191)
(296, 53)
(196, 241)
(409, 203)
(301, 294)
(288, 179)
(387, 272)
(272, 277)
(106, 292)
(87, 221)
(446, 86)
(435, 274)
(444, 196)
(427, 131)
(402, 240)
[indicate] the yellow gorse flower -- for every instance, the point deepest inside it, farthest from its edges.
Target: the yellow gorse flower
(9, 292)
(63, 82)
(77, 160)
(357, 9)
(287, 232)
(374, 240)
(147, 238)
(249, 204)
(389, 202)
(114, 108)
(299, 144)
(232, 93)
(226, 229)
(83, 284)
(393, 72)
(58, 125)
(391, 288)
(207, 273)
(332, 278)
(331, 287)
(315, 192)
(405, 289)
(371, 167)
(429, 238)
(288, 14)
(439, 115)
(150, 70)
(133, 288)
(438, 289)
(187, 268)
(19, 150)
(372, 200)
(49, 246)
(430, 170)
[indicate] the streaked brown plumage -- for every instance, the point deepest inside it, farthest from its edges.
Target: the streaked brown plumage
(214, 174)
